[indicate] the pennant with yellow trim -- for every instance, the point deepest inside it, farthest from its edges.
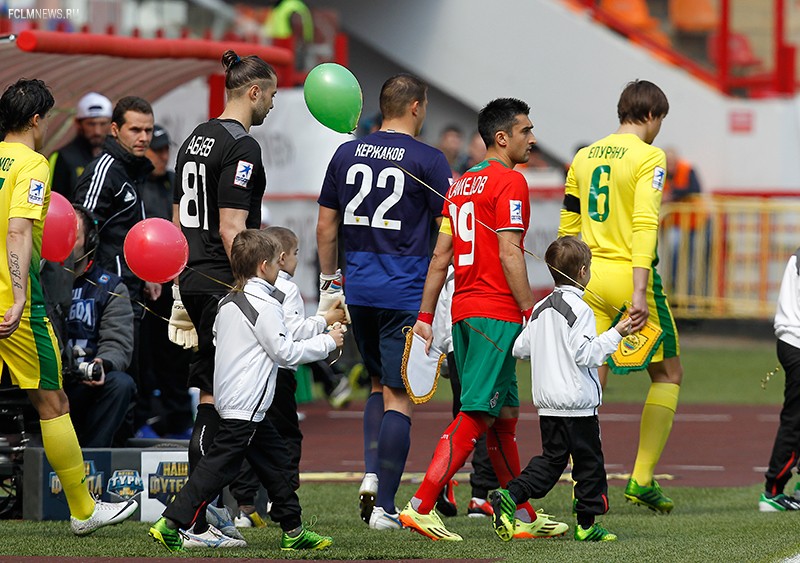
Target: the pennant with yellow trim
(636, 350)
(420, 371)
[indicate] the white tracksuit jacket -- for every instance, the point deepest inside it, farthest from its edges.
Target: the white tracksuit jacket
(443, 321)
(252, 341)
(562, 343)
(294, 313)
(787, 315)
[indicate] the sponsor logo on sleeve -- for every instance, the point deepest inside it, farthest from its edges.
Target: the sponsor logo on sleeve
(36, 192)
(659, 175)
(516, 212)
(243, 172)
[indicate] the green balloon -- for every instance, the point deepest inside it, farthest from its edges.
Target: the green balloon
(333, 96)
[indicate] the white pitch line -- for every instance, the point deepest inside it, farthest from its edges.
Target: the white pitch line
(604, 417)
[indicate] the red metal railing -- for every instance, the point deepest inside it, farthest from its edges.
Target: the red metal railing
(780, 80)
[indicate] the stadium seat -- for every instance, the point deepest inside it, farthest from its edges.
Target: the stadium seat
(740, 52)
(693, 16)
(635, 13)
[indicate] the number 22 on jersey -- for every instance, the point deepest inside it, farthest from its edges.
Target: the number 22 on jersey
(378, 221)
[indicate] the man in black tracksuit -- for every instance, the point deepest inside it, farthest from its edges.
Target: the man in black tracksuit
(110, 189)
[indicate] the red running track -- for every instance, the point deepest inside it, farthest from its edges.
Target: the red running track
(710, 445)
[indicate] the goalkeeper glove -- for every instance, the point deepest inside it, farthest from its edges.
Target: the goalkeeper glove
(331, 294)
(181, 329)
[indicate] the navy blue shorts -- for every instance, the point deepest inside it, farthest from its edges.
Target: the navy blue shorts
(381, 341)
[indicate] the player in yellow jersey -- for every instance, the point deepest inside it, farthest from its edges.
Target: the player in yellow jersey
(28, 344)
(612, 198)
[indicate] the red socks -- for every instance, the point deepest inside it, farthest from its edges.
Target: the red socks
(501, 441)
(453, 449)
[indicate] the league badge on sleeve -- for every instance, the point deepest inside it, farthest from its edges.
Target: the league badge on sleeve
(659, 175)
(36, 192)
(515, 217)
(244, 170)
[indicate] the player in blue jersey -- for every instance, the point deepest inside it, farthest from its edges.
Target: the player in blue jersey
(386, 220)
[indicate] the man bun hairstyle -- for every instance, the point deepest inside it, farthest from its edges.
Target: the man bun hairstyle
(398, 92)
(20, 102)
(565, 257)
(250, 248)
(639, 100)
(243, 71)
(499, 115)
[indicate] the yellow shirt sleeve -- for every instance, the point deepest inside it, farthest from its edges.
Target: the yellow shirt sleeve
(570, 224)
(646, 208)
(30, 190)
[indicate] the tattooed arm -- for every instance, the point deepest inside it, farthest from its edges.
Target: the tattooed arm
(19, 246)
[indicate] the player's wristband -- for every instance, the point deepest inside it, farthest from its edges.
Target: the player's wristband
(425, 317)
(527, 313)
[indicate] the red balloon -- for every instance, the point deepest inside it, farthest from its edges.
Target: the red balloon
(60, 229)
(156, 250)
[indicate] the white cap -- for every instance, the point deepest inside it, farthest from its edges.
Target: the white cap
(94, 105)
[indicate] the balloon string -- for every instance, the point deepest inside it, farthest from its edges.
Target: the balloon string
(500, 235)
(493, 343)
(128, 297)
(149, 310)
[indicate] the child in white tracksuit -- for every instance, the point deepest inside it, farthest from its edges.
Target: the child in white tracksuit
(251, 342)
(283, 411)
(565, 351)
(786, 448)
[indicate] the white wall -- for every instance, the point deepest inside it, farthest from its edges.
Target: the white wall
(571, 71)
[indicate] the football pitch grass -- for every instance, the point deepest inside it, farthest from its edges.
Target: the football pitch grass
(707, 525)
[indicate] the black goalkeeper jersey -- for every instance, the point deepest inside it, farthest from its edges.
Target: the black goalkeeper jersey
(218, 166)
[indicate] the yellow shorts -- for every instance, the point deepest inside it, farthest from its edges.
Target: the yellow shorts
(613, 282)
(31, 354)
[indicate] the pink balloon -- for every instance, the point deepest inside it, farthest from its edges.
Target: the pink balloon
(60, 229)
(156, 250)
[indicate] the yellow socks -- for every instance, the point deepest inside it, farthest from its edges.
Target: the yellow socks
(64, 454)
(657, 416)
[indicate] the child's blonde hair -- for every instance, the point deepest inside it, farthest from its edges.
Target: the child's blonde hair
(250, 248)
(565, 257)
(286, 237)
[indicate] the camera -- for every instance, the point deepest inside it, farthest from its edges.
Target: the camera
(81, 371)
(89, 371)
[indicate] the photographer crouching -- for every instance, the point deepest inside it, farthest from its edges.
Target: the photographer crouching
(99, 345)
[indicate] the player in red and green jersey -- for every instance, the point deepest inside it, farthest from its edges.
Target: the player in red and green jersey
(487, 213)
(612, 198)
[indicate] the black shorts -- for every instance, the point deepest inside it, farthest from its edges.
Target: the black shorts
(381, 341)
(202, 310)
